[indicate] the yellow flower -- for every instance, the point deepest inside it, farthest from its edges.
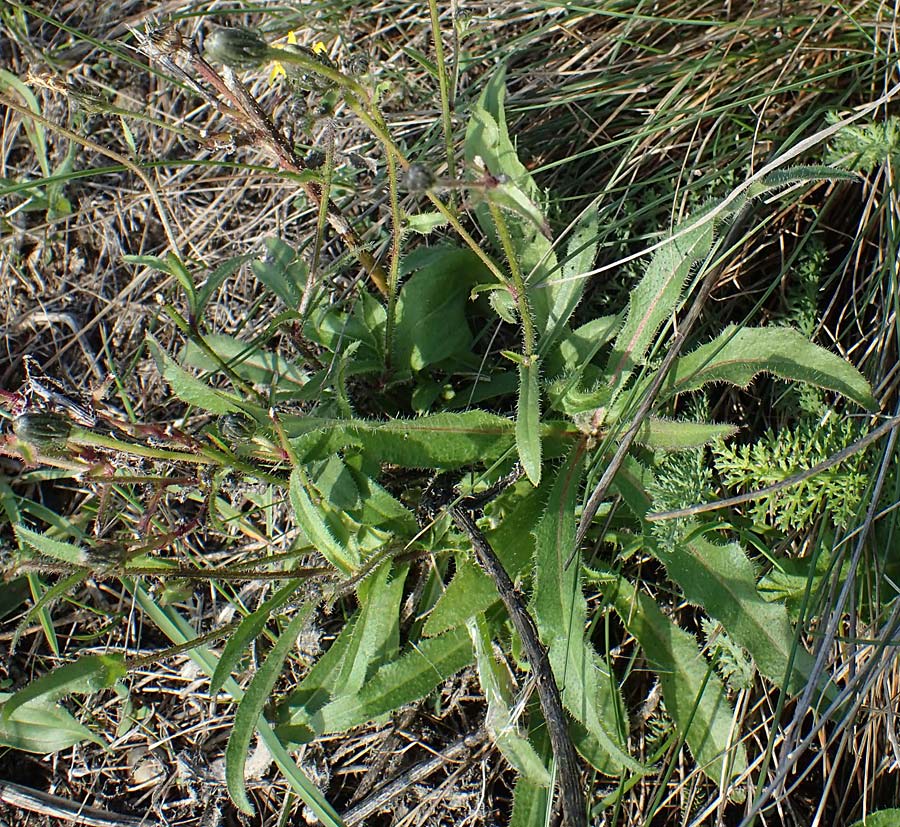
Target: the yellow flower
(278, 70)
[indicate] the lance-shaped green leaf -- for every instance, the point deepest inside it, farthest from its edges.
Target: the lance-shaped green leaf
(528, 422)
(563, 289)
(737, 355)
(50, 547)
(249, 711)
(441, 441)
(376, 632)
(560, 612)
(694, 694)
(83, 677)
(722, 581)
(412, 676)
(500, 721)
(533, 803)
(186, 387)
(246, 632)
(41, 728)
(658, 293)
(310, 520)
(674, 435)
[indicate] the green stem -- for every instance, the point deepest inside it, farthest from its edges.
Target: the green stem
(518, 283)
(443, 81)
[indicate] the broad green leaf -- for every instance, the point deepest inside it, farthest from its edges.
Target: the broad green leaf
(694, 694)
(883, 818)
(471, 591)
(445, 440)
(722, 581)
(320, 685)
(250, 362)
(310, 520)
(55, 549)
(412, 676)
(657, 294)
(557, 298)
(41, 728)
(499, 720)
(431, 321)
(528, 422)
(560, 612)
(282, 271)
(86, 675)
(738, 354)
(188, 388)
(246, 632)
(675, 435)
(249, 711)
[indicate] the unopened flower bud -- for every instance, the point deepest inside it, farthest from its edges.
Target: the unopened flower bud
(237, 48)
(418, 178)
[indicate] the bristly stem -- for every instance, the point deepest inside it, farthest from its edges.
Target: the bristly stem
(444, 83)
(396, 244)
(518, 283)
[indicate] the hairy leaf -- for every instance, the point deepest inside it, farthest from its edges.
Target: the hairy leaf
(738, 354)
(560, 612)
(528, 422)
(41, 728)
(694, 694)
(310, 520)
(499, 721)
(188, 388)
(249, 712)
(412, 676)
(674, 435)
(85, 676)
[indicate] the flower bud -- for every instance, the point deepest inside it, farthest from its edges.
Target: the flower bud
(237, 48)
(418, 178)
(43, 430)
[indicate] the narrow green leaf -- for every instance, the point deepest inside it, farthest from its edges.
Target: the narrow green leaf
(694, 695)
(310, 520)
(562, 291)
(186, 387)
(86, 675)
(41, 728)
(560, 612)
(246, 632)
(528, 422)
(499, 721)
(533, 803)
(412, 676)
(376, 627)
(738, 354)
(215, 278)
(56, 549)
(672, 435)
(657, 294)
(444, 440)
(249, 711)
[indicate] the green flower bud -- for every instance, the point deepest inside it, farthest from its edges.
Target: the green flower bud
(237, 48)
(43, 430)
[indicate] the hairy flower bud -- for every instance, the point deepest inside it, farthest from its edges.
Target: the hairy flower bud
(418, 178)
(237, 48)
(43, 430)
